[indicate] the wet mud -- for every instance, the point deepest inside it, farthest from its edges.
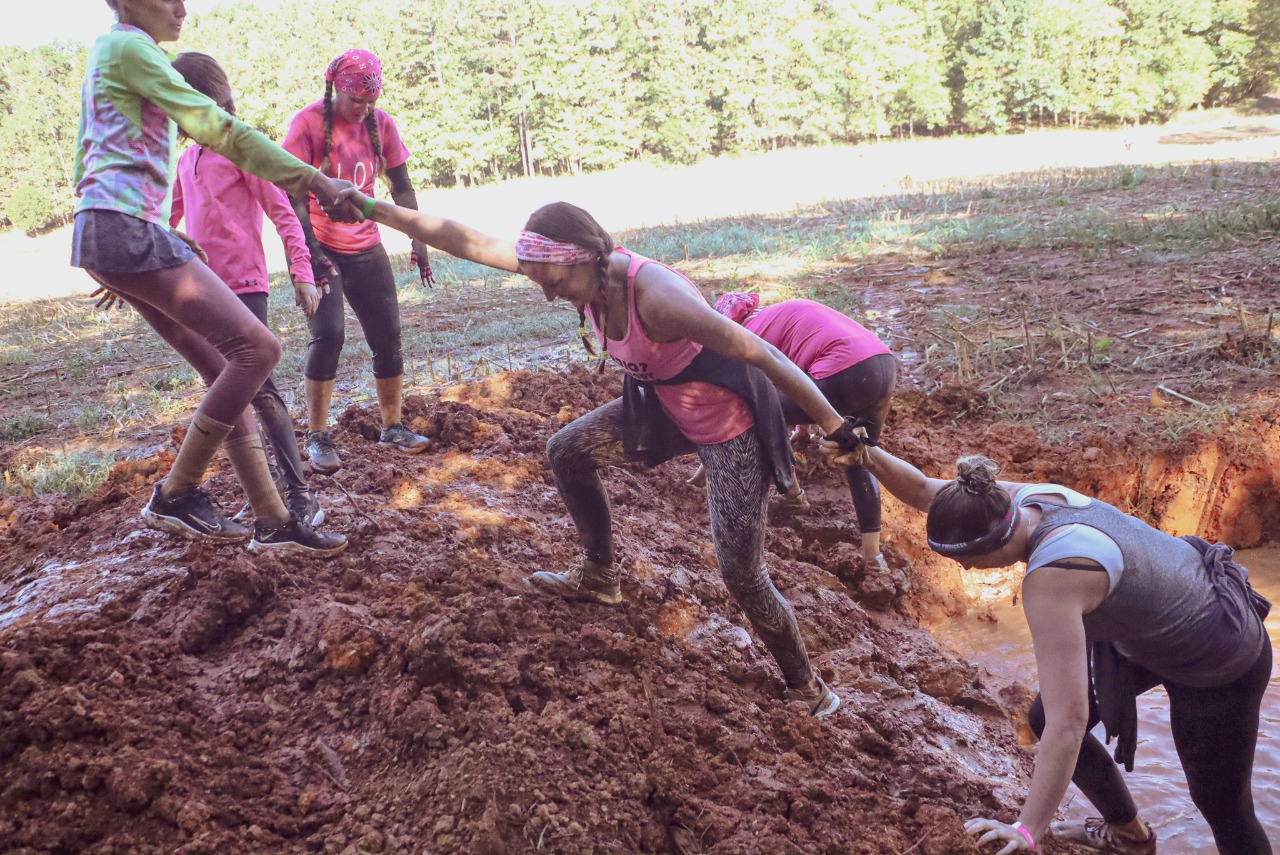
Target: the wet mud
(417, 695)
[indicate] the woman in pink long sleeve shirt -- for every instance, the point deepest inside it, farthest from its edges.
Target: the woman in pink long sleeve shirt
(223, 207)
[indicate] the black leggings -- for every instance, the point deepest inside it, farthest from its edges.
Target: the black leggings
(1215, 732)
(737, 488)
(368, 283)
(862, 390)
(273, 415)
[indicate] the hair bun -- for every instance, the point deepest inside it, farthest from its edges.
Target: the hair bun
(976, 474)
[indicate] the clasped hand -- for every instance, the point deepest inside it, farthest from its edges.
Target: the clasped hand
(331, 193)
(847, 445)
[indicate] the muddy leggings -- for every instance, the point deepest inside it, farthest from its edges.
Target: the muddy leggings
(862, 390)
(273, 415)
(366, 281)
(1215, 732)
(197, 315)
(737, 487)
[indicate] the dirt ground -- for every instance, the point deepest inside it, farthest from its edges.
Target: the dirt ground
(416, 695)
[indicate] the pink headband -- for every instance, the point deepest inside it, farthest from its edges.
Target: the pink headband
(737, 306)
(532, 246)
(357, 72)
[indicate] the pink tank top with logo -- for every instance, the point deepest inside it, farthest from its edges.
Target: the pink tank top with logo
(705, 413)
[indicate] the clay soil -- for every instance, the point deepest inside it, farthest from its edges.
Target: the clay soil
(417, 695)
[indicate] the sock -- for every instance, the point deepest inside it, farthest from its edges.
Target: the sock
(249, 460)
(203, 438)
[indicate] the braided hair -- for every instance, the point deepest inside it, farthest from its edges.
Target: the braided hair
(370, 126)
(568, 223)
(971, 505)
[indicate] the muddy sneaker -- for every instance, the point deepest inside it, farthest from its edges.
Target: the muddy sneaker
(304, 505)
(1096, 833)
(399, 436)
(190, 512)
(321, 452)
(821, 700)
(795, 500)
(584, 582)
(297, 535)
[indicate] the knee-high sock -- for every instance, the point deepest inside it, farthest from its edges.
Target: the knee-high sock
(249, 460)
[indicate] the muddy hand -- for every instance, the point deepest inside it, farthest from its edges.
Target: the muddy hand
(419, 259)
(329, 193)
(306, 296)
(107, 299)
(191, 242)
(1007, 837)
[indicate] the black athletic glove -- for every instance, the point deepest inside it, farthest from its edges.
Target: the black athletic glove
(322, 269)
(848, 437)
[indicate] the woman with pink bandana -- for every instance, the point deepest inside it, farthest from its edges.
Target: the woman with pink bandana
(694, 383)
(852, 368)
(347, 137)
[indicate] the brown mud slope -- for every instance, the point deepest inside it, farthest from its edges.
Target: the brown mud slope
(416, 695)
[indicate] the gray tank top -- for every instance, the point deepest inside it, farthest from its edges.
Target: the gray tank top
(1164, 613)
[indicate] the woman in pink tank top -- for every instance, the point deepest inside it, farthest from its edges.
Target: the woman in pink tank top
(695, 383)
(852, 368)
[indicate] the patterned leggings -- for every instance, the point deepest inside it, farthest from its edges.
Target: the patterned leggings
(737, 487)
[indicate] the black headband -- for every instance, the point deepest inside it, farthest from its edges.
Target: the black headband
(999, 535)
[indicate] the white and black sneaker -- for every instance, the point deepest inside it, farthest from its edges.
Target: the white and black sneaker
(296, 535)
(190, 512)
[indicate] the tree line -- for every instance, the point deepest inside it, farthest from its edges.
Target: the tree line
(490, 89)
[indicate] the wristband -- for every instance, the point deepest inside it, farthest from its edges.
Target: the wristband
(369, 202)
(1022, 829)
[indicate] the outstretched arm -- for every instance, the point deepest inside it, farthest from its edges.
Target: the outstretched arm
(669, 310)
(455, 238)
(907, 484)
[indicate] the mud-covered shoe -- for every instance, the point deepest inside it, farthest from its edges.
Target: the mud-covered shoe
(1096, 833)
(190, 512)
(400, 437)
(821, 700)
(297, 535)
(304, 505)
(794, 500)
(584, 582)
(322, 453)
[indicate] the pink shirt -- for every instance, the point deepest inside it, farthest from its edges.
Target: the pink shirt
(223, 207)
(817, 338)
(353, 158)
(705, 413)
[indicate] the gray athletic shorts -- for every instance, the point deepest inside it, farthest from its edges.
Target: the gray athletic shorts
(112, 242)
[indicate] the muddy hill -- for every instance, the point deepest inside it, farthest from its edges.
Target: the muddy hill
(416, 695)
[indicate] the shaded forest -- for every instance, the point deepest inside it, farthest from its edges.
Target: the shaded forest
(490, 89)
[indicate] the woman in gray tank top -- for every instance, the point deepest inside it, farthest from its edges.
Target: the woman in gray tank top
(1115, 607)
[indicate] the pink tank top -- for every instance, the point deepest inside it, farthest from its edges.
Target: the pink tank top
(706, 414)
(817, 338)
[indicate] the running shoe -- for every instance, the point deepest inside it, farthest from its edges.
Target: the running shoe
(584, 582)
(304, 505)
(190, 512)
(321, 452)
(399, 436)
(297, 535)
(821, 700)
(1097, 834)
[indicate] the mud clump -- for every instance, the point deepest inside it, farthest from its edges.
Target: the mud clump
(416, 694)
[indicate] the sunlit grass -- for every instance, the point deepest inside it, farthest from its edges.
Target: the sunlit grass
(75, 475)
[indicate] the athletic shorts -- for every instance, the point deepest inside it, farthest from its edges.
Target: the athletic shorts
(112, 242)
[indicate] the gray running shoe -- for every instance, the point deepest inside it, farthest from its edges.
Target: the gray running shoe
(584, 582)
(1096, 833)
(321, 452)
(190, 512)
(297, 535)
(821, 700)
(399, 436)
(304, 505)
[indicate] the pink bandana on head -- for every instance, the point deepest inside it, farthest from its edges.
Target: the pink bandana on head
(737, 306)
(532, 246)
(357, 72)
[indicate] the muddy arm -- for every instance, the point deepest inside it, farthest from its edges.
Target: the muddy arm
(907, 484)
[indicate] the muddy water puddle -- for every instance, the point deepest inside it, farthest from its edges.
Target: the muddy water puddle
(1003, 647)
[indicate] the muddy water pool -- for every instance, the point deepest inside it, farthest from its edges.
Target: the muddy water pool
(1003, 647)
